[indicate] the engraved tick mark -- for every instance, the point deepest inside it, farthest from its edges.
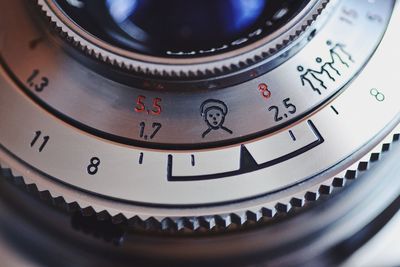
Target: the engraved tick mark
(292, 135)
(193, 160)
(335, 110)
(169, 166)
(141, 158)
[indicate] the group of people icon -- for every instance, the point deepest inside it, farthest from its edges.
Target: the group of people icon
(330, 69)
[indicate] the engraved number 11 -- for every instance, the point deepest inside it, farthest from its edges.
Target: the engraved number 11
(44, 142)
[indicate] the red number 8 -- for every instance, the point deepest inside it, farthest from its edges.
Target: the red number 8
(263, 88)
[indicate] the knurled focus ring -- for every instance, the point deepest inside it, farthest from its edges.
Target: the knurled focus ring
(224, 63)
(91, 205)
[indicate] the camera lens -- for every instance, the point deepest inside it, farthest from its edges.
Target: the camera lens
(164, 28)
(198, 132)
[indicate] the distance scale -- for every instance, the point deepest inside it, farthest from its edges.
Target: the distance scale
(200, 147)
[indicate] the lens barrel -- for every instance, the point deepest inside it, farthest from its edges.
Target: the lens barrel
(165, 28)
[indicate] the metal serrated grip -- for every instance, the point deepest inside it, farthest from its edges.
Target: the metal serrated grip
(258, 53)
(91, 205)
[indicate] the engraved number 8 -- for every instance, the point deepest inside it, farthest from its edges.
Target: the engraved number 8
(93, 167)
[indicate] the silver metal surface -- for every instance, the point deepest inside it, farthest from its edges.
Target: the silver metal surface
(108, 108)
(255, 173)
(293, 166)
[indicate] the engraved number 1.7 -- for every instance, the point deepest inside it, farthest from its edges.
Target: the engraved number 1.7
(142, 133)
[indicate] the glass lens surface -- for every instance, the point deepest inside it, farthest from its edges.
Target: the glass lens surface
(180, 28)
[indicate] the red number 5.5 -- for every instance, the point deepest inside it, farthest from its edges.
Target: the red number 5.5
(141, 106)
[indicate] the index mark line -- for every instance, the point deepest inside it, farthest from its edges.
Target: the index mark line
(141, 158)
(247, 168)
(335, 110)
(193, 160)
(292, 135)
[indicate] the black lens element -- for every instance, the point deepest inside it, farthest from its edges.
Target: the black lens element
(180, 28)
